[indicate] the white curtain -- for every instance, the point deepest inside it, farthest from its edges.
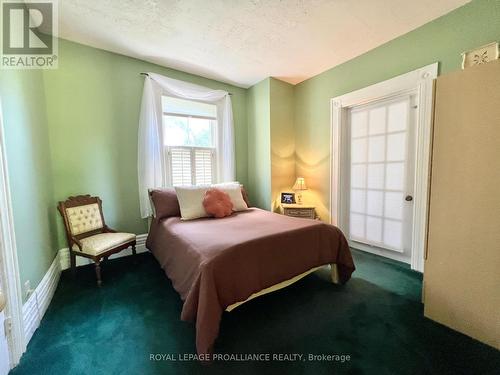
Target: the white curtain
(151, 168)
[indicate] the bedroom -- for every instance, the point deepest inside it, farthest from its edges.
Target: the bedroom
(279, 86)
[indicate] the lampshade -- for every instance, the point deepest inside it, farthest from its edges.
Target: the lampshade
(300, 184)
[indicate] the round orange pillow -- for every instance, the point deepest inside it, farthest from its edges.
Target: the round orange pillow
(217, 203)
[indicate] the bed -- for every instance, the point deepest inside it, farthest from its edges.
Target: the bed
(218, 264)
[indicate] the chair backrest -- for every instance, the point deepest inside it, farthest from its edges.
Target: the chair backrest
(82, 215)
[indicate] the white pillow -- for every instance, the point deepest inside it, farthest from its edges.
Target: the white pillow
(191, 201)
(233, 189)
(191, 198)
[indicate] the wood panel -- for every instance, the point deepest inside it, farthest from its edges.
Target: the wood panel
(462, 269)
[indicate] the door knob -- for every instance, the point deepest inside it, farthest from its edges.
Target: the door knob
(408, 198)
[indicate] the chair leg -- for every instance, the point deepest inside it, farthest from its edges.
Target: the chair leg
(98, 272)
(133, 250)
(72, 258)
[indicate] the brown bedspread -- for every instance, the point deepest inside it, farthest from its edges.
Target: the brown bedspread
(214, 263)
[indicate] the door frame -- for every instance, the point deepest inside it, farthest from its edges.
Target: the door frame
(8, 252)
(419, 81)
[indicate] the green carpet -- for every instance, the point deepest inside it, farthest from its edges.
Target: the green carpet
(376, 319)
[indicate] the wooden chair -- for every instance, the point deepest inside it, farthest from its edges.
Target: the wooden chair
(87, 233)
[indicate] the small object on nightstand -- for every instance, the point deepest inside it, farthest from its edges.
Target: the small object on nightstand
(299, 210)
(288, 198)
(300, 184)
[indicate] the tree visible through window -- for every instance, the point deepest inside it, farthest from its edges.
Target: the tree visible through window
(188, 131)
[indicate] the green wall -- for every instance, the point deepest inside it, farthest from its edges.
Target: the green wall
(282, 140)
(271, 142)
(441, 40)
(93, 103)
(259, 144)
(74, 130)
(27, 148)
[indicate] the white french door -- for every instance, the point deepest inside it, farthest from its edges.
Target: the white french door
(378, 201)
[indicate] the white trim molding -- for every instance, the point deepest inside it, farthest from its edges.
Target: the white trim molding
(9, 268)
(81, 261)
(35, 307)
(420, 82)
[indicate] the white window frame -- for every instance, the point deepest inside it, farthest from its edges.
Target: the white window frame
(167, 149)
(420, 81)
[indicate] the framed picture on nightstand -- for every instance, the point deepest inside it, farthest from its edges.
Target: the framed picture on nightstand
(288, 198)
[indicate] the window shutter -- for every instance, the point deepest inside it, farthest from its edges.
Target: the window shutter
(180, 164)
(203, 166)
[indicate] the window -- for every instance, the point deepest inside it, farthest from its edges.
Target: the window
(189, 138)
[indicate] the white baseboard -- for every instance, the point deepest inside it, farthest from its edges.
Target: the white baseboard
(81, 261)
(36, 305)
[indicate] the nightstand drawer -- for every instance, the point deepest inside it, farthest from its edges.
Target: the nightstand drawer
(300, 212)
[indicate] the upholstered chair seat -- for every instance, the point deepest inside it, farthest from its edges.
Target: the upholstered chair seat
(100, 243)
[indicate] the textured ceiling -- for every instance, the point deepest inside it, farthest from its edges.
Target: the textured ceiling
(244, 41)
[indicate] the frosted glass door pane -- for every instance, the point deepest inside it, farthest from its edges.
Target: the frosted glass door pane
(357, 226)
(396, 147)
(358, 200)
(394, 205)
(359, 124)
(395, 179)
(397, 116)
(377, 121)
(376, 148)
(378, 166)
(374, 203)
(393, 234)
(374, 229)
(358, 176)
(358, 150)
(376, 176)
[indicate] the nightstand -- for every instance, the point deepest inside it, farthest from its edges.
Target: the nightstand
(299, 210)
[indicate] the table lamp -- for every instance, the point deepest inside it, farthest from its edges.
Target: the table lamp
(300, 184)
